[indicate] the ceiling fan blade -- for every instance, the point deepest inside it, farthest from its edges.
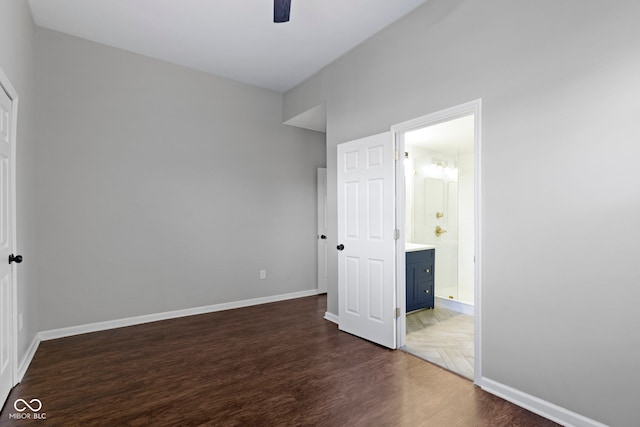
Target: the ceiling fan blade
(281, 9)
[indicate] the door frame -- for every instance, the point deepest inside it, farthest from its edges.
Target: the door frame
(322, 217)
(6, 85)
(475, 108)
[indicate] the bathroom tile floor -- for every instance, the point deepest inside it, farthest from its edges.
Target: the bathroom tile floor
(442, 337)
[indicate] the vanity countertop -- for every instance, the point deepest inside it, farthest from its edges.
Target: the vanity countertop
(412, 247)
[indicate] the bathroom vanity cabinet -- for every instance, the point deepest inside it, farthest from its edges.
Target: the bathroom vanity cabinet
(420, 279)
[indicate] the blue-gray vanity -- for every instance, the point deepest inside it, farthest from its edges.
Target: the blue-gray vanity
(420, 274)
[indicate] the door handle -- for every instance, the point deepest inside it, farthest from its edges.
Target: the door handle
(439, 231)
(17, 259)
(323, 237)
(340, 247)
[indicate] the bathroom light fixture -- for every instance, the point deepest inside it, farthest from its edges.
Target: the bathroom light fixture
(440, 169)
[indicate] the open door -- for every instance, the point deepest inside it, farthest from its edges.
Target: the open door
(366, 237)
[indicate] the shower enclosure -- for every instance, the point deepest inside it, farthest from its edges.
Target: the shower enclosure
(440, 203)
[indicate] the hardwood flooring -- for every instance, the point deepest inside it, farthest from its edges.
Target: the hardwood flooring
(277, 364)
(443, 337)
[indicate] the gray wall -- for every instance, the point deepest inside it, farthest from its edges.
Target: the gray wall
(561, 200)
(163, 188)
(16, 60)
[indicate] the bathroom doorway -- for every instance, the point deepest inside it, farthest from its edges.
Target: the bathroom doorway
(441, 219)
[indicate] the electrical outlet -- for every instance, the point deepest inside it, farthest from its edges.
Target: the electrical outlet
(263, 274)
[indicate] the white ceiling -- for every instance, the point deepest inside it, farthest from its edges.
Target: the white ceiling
(453, 136)
(236, 39)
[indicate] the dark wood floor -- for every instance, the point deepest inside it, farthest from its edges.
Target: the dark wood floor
(277, 364)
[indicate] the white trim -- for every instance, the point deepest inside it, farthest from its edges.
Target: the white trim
(401, 265)
(28, 357)
(477, 293)
(471, 107)
(323, 245)
(13, 95)
(534, 404)
(475, 108)
(8, 87)
(455, 305)
(137, 320)
(332, 317)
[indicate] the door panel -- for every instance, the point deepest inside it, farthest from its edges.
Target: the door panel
(352, 214)
(366, 224)
(375, 196)
(352, 279)
(376, 288)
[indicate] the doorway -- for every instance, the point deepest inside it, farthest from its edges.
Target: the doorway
(372, 268)
(438, 210)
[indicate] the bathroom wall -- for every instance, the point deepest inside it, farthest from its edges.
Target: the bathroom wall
(409, 173)
(466, 229)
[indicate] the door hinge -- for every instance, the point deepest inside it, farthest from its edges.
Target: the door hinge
(397, 154)
(397, 312)
(396, 234)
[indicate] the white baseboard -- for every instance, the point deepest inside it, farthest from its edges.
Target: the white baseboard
(331, 317)
(137, 320)
(455, 305)
(541, 407)
(28, 357)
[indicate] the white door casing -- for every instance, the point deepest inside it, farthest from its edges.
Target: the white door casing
(366, 228)
(323, 247)
(474, 108)
(7, 235)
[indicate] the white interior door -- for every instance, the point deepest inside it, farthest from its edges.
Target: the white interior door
(323, 247)
(366, 228)
(7, 355)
